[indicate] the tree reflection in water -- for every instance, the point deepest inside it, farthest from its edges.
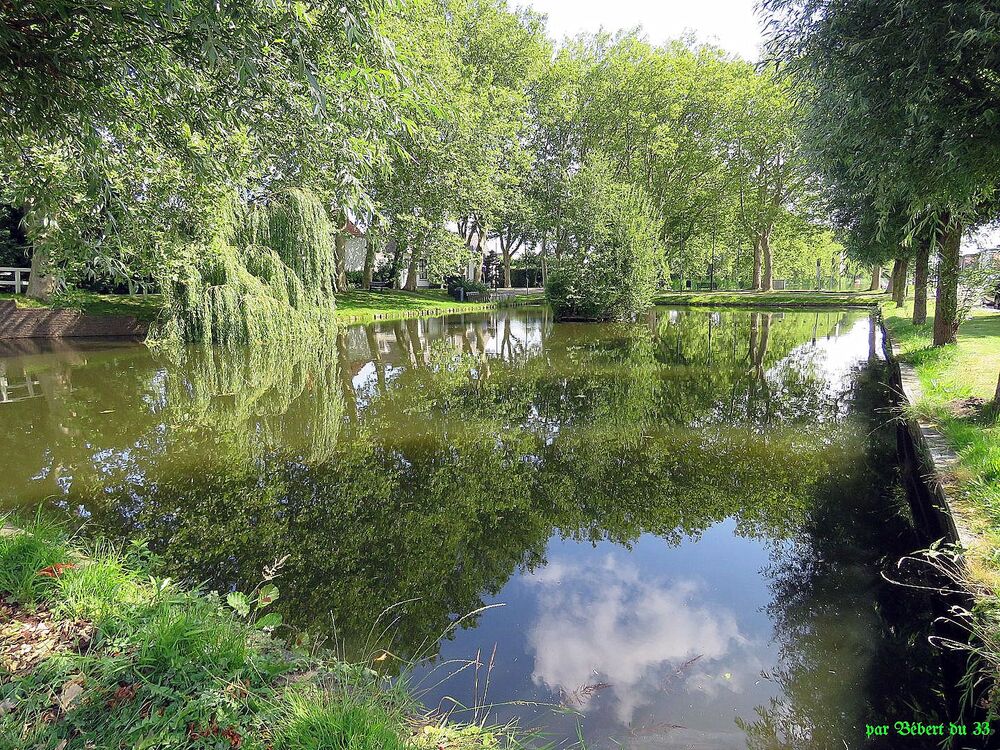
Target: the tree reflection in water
(428, 461)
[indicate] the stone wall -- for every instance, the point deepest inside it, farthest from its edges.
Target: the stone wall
(29, 323)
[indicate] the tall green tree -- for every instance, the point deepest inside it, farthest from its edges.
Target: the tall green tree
(128, 123)
(903, 97)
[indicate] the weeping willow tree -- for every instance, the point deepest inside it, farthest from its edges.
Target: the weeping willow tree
(265, 273)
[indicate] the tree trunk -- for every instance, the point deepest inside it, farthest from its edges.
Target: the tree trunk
(41, 284)
(768, 282)
(891, 286)
(899, 282)
(876, 279)
(369, 268)
(397, 256)
(340, 247)
(479, 255)
(545, 264)
(920, 281)
(756, 265)
(506, 267)
(946, 303)
(411, 273)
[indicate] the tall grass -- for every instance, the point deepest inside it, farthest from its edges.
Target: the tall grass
(168, 667)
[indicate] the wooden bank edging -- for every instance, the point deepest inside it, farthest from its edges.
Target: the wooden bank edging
(926, 455)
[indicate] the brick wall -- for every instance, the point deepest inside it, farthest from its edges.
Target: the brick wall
(25, 323)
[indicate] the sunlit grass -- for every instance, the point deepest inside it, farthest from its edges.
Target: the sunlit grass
(143, 662)
(786, 299)
(360, 305)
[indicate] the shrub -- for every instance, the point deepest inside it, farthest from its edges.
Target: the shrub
(609, 270)
(457, 284)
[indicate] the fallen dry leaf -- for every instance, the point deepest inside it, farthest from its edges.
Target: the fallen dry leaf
(69, 693)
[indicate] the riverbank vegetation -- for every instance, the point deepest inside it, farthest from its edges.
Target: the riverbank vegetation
(436, 129)
(959, 398)
(96, 651)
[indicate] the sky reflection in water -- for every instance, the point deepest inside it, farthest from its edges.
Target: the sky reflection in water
(684, 519)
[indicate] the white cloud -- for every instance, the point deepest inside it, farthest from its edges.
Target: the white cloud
(610, 624)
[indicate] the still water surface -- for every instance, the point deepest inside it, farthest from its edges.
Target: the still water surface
(668, 534)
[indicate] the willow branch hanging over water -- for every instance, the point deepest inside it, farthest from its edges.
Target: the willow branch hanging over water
(266, 273)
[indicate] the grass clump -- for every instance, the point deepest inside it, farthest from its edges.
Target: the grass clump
(126, 659)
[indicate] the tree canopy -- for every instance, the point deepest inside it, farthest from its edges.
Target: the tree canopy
(441, 127)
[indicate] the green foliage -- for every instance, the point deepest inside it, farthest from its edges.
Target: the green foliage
(458, 284)
(315, 722)
(127, 125)
(267, 274)
(168, 667)
(609, 271)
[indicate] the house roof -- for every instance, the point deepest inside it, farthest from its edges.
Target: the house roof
(352, 229)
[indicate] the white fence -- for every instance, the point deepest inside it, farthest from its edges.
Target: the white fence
(14, 279)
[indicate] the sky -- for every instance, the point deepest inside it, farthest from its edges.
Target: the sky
(731, 24)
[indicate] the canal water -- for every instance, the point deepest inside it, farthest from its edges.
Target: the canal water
(673, 534)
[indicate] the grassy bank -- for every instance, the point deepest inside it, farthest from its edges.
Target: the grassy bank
(790, 299)
(95, 652)
(361, 306)
(958, 383)
(353, 306)
(142, 307)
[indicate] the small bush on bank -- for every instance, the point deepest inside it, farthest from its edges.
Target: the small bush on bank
(608, 271)
(97, 652)
(458, 284)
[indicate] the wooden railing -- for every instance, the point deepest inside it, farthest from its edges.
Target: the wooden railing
(14, 277)
(28, 387)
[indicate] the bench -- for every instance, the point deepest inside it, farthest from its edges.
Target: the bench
(378, 286)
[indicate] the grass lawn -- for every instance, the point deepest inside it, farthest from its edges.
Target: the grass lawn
(356, 305)
(362, 305)
(96, 652)
(142, 307)
(770, 299)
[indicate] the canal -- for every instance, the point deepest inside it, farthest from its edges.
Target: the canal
(675, 533)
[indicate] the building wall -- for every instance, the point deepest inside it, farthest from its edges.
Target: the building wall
(356, 249)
